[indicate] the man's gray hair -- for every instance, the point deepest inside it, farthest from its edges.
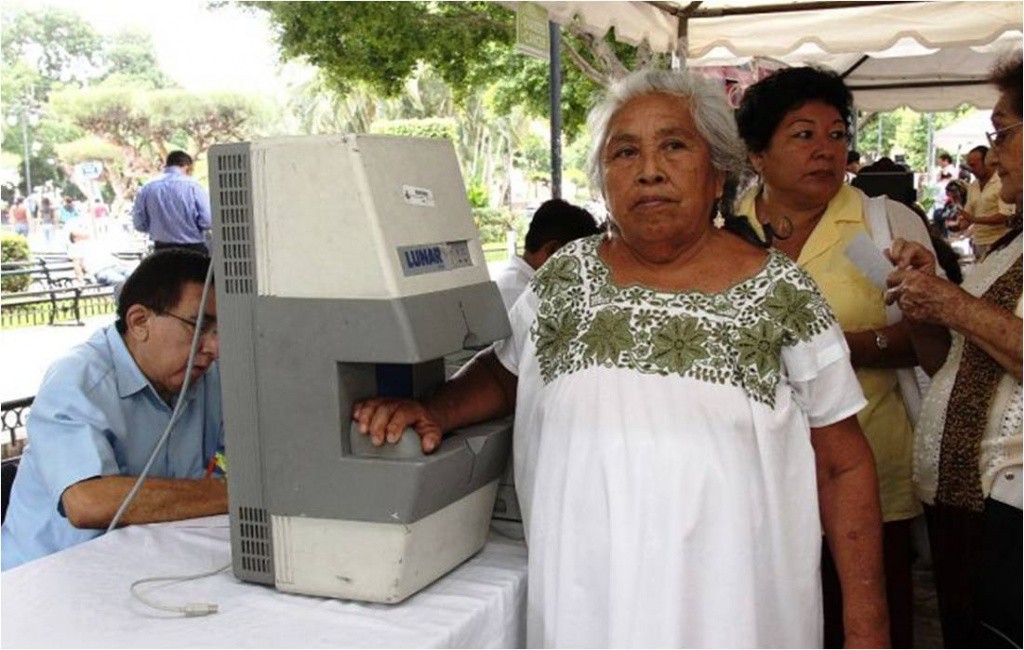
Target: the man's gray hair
(711, 113)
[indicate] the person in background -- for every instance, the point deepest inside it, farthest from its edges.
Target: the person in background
(90, 257)
(852, 164)
(19, 217)
(554, 224)
(100, 214)
(984, 212)
(174, 209)
(944, 173)
(684, 409)
(102, 407)
(967, 457)
(68, 212)
(47, 219)
(947, 218)
(796, 125)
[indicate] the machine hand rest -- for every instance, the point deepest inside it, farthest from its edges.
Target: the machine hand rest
(474, 438)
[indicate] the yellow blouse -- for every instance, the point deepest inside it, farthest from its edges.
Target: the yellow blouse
(859, 306)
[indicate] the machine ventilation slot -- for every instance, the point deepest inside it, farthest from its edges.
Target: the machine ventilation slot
(254, 540)
(236, 222)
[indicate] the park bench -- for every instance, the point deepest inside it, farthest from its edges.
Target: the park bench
(44, 272)
(68, 303)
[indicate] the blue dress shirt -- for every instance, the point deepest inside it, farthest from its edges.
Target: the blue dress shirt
(173, 209)
(96, 414)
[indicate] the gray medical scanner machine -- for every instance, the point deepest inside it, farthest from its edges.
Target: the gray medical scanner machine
(347, 267)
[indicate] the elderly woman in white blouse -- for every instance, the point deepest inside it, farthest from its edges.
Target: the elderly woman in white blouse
(967, 460)
(684, 408)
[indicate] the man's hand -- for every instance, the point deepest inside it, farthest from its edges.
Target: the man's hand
(385, 418)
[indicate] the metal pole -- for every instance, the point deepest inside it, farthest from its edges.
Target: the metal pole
(556, 110)
(24, 141)
(931, 143)
(881, 116)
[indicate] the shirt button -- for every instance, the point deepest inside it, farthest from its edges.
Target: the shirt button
(1009, 476)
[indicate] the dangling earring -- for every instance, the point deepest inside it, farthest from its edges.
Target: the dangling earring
(719, 220)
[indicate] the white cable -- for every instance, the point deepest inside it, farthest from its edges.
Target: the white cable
(189, 609)
(177, 406)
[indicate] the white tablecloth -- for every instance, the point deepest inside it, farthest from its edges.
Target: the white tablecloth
(79, 598)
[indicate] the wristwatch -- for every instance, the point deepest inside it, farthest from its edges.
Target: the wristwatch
(881, 340)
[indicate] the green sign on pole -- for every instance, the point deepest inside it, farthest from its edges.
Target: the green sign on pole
(532, 35)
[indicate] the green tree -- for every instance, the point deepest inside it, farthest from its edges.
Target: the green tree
(147, 125)
(130, 56)
(61, 45)
(468, 44)
(51, 50)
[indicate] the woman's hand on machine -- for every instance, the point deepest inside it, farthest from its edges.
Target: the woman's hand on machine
(384, 419)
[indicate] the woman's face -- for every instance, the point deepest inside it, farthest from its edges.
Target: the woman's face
(658, 179)
(1006, 154)
(806, 156)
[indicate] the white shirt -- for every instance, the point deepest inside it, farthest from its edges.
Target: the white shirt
(663, 458)
(513, 281)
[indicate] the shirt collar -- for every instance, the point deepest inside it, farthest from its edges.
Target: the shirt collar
(174, 170)
(522, 264)
(845, 207)
(130, 379)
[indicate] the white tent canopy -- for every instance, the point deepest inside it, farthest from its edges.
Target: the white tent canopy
(966, 133)
(926, 55)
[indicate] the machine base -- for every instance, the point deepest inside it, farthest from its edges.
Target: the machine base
(376, 562)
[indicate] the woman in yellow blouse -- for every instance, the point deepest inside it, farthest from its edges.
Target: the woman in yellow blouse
(796, 127)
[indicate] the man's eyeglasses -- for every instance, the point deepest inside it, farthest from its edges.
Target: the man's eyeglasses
(998, 137)
(209, 325)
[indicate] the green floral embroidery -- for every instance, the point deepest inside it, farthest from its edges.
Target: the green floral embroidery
(790, 308)
(558, 275)
(608, 335)
(556, 333)
(734, 337)
(678, 344)
(759, 346)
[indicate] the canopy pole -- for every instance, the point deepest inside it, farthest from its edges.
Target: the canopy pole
(555, 65)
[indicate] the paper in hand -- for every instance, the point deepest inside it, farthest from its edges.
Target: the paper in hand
(869, 260)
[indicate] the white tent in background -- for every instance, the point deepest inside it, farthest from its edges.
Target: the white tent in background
(966, 133)
(926, 55)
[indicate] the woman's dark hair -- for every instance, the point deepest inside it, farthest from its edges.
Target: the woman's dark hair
(959, 188)
(768, 101)
(157, 281)
(1006, 76)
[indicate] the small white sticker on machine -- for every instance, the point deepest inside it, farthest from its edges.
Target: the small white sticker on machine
(418, 196)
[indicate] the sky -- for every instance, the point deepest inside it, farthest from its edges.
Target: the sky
(227, 48)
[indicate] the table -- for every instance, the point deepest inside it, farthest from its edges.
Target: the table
(80, 598)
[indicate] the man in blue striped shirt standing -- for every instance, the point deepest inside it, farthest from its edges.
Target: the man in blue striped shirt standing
(174, 209)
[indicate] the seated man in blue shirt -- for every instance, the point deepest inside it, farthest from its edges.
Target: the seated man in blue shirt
(102, 407)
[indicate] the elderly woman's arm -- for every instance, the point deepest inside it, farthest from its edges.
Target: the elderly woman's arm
(929, 301)
(851, 517)
(482, 390)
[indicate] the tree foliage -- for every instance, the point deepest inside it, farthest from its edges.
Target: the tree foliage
(62, 46)
(427, 127)
(145, 126)
(469, 44)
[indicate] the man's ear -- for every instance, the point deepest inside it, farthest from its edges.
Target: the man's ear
(138, 319)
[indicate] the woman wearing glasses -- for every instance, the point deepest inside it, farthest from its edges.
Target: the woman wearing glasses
(967, 458)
